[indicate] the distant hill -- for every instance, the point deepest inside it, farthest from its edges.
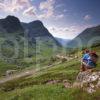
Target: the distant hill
(62, 41)
(88, 35)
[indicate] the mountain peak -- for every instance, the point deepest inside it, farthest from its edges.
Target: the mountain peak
(11, 24)
(10, 17)
(36, 24)
(38, 21)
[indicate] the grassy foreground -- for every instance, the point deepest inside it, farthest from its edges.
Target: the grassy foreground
(35, 87)
(48, 92)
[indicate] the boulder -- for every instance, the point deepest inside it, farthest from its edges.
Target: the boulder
(89, 81)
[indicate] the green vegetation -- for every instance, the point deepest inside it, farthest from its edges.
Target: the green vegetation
(35, 88)
(22, 61)
(37, 49)
(67, 70)
(5, 66)
(48, 92)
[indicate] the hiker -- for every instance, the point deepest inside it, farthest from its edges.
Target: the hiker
(90, 63)
(85, 57)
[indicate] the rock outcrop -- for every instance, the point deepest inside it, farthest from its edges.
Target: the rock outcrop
(89, 81)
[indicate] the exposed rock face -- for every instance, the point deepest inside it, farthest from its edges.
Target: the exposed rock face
(90, 81)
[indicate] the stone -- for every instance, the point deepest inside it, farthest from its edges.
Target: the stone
(90, 81)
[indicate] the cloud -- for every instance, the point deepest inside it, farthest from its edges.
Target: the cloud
(19, 8)
(22, 1)
(13, 6)
(25, 8)
(58, 16)
(65, 10)
(30, 11)
(59, 5)
(64, 32)
(87, 17)
(68, 32)
(47, 8)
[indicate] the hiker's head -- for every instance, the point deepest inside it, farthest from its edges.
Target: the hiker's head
(94, 57)
(87, 51)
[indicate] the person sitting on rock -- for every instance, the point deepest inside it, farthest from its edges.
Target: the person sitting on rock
(86, 56)
(91, 62)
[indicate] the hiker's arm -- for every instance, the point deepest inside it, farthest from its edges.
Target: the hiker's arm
(84, 63)
(88, 66)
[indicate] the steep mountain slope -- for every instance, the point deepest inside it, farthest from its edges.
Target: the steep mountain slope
(88, 36)
(31, 31)
(36, 30)
(12, 24)
(20, 41)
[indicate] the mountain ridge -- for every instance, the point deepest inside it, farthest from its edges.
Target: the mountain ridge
(34, 29)
(88, 36)
(10, 24)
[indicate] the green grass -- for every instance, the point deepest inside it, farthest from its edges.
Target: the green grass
(63, 71)
(5, 66)
(48, 92)
(34, 87)
(23, 62)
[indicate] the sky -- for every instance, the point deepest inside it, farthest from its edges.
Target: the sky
(63, 18)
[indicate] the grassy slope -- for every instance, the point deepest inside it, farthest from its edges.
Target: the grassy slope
(48, 92)
(42, 56)
(34, 88)
(5, 66)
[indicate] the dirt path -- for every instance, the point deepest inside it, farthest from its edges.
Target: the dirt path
(24, 73)
(18, 75)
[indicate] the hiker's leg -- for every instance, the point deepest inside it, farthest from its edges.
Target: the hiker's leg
(82, 68)
(91, 69)
(85, 68)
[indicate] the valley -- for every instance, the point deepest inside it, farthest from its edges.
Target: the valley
(35, 66)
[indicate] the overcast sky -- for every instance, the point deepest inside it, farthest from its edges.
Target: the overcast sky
(63, 18)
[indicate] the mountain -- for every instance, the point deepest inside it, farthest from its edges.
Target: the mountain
(36, 29)
(32, 30)
(89, 37)
(62, 41)
(25, 38)
(10, 24)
